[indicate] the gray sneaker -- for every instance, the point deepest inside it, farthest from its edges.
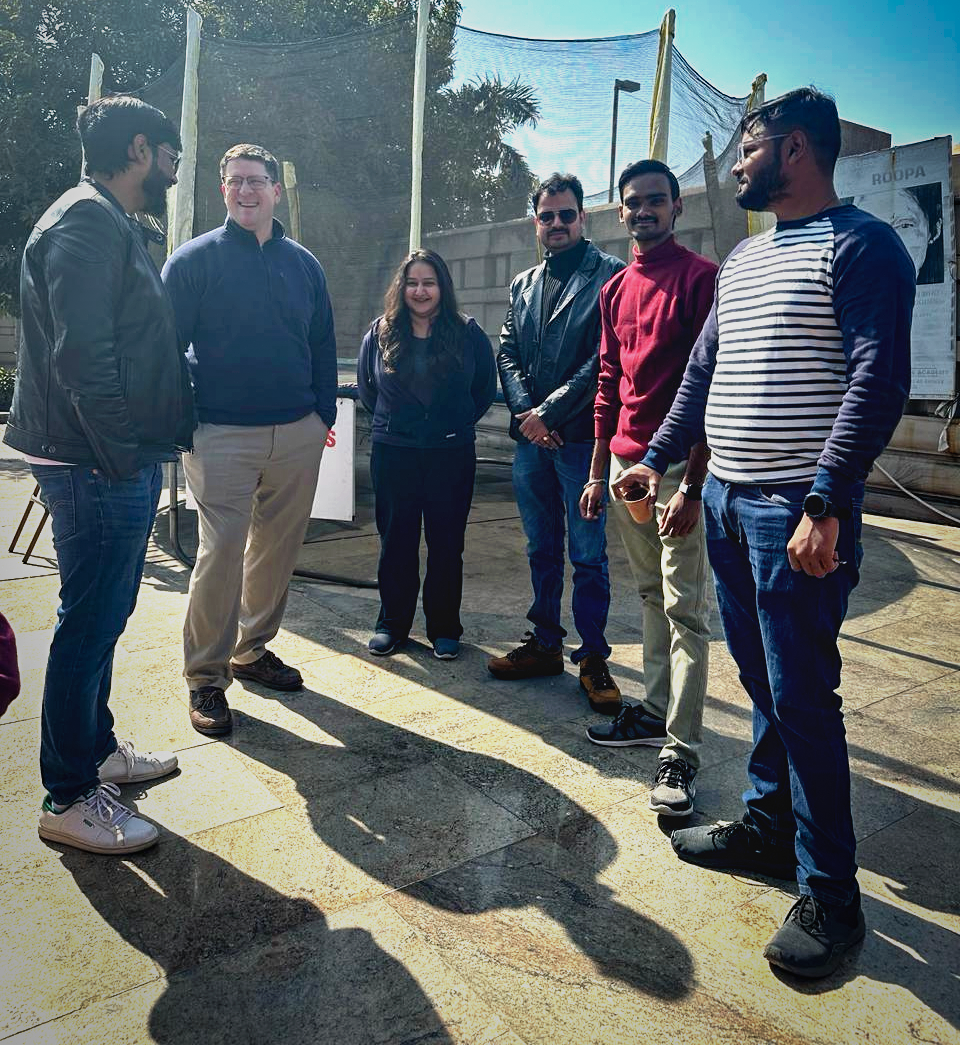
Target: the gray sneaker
(673, 788)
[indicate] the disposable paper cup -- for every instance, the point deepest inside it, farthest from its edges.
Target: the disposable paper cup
(638, 504)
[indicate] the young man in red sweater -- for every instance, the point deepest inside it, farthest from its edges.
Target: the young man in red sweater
(652, 312)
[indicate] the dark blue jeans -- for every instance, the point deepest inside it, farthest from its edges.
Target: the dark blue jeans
(781, 628)
(548, 484)
(100, 532)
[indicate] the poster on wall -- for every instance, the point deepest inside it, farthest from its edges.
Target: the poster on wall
(909, 187)
(335, 496)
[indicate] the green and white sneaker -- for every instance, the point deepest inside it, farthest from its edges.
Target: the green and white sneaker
(97, 823)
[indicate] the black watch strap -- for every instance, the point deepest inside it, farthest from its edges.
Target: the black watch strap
(692, 490)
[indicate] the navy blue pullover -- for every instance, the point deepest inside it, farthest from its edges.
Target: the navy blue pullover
(257, 326)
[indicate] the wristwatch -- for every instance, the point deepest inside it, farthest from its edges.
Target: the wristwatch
(818, 507)
(692, 490)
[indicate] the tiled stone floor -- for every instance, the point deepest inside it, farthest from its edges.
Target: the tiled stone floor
(410, 851)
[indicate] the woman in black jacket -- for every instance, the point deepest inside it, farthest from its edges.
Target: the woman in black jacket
(426, 375)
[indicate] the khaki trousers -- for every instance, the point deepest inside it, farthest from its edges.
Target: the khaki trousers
(672, 576)
(254, 486)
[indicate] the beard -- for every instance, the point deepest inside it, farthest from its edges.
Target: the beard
(766, 186)
(155, 186)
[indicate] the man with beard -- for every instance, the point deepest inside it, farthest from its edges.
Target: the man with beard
(652, 312)
(797, 381)
(102, 397)
(548, 362)
(253, 311)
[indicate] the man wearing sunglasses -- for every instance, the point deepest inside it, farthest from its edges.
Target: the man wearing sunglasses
(254, 315)
(102, 397)
(548, 362)
(797, 381)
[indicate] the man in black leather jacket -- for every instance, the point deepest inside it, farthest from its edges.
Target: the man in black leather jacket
(548, 363)
(102, 397)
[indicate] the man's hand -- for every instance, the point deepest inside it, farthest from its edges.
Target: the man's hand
(637, 475)
(680, 516)
(813, 546)
(533, 429)
(591, 500)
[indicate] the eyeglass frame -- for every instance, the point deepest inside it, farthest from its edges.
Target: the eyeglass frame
(175, 157)
(545, 217)
(257, 178)
(769, 138)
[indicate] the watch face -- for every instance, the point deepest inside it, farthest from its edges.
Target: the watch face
(815, 506)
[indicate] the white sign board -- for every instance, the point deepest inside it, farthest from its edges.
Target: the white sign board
(335, 496)
(909, 187)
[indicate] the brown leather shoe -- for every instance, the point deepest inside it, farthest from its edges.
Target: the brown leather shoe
(209, 711)
(529, 660)
(269, 671)
(596, 682)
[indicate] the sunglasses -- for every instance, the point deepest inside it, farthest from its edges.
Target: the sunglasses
(568, 216)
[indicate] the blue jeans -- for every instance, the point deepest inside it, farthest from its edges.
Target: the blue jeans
(548, 484)
(100, 532)
(781, 628)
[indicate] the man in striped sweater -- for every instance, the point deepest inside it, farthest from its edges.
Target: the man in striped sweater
(797, 382)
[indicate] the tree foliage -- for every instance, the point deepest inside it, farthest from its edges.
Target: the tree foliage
(45, 50)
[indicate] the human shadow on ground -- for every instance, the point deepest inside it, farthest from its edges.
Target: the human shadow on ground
(245, 964)
(413, 812)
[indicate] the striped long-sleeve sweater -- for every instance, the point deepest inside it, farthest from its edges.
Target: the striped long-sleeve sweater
(803, 366)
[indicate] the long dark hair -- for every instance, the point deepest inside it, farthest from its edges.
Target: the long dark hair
(396, 330)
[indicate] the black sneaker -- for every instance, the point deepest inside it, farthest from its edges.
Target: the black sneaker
(209, 712)
(270, 671)
(632, 727)
(733, 847)
(673, 788)
(815, 936)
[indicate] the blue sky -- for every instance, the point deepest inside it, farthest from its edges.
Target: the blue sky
(892, 66)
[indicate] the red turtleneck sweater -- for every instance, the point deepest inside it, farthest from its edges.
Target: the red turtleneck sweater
(652, 312)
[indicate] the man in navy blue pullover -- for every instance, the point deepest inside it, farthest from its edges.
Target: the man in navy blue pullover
(797, 383)
(253, 308)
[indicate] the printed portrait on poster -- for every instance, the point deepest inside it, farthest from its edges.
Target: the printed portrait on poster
(916, 213)
(909, 187)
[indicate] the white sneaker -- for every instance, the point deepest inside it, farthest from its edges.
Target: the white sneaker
(126, 766)
(98, 824)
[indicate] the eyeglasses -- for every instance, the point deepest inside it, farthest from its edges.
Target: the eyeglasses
(174, 157)
(255, 181)
(568, 216)
(741, 156)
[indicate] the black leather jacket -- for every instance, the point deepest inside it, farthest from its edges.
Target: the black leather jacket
(555, 373)
(101, 381)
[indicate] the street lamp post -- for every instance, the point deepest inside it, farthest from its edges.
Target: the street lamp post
(631, 87)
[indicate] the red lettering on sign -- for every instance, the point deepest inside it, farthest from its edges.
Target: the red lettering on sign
(331, 438)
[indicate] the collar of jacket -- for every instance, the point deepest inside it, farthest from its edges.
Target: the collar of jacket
(154, 235)
(246, 235)
(533, 295)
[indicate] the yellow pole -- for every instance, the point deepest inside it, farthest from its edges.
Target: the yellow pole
(758, 221)
(660, 107)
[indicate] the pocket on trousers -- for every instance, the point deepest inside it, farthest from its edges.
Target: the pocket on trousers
(59, 498)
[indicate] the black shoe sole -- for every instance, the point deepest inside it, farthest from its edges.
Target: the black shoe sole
(780, 871)
(519, 678)
(239, 673)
